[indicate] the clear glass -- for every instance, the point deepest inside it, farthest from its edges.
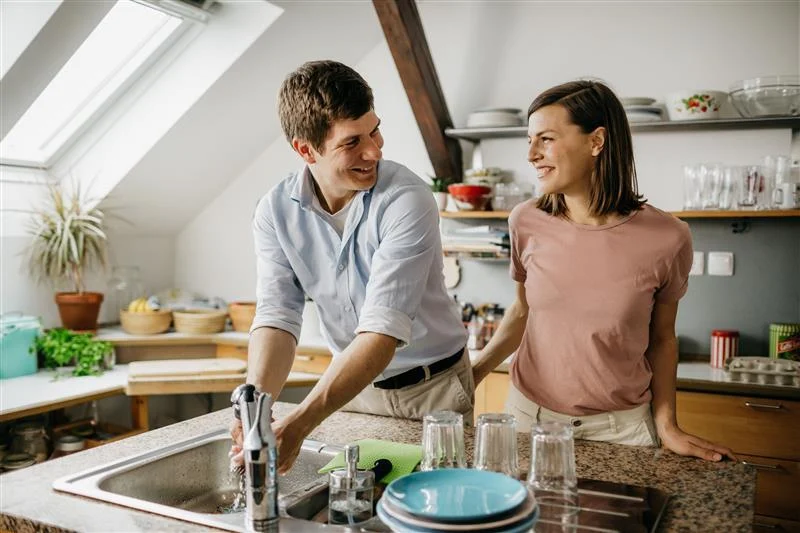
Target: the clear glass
(552, 474)
(496, 443)
(124, 286)
(750, 185)
(442, 440)
(30, 438)
(691, 187)
(710, 185)
(731, 178)
(350, 499)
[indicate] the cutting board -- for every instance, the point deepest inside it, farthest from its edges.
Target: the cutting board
(187, 368)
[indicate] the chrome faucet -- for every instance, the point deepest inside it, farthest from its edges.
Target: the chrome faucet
(260, 458)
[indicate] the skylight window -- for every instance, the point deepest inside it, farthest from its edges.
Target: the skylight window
(122, 46)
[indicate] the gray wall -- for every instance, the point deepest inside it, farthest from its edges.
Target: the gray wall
(764, 288)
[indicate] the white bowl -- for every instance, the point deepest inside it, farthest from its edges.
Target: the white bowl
(695, 104)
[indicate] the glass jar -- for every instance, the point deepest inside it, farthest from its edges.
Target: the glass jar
(30, 438)
(124, 286)
(15, 461)
(68, 444)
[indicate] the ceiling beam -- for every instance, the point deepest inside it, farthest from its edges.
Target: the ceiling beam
(402, 28)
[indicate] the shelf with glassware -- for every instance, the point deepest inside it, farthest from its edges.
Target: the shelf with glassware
(717, 213)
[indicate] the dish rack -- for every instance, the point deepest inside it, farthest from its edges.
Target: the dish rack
(764, 371)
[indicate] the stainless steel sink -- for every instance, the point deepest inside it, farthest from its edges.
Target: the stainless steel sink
(191, 481)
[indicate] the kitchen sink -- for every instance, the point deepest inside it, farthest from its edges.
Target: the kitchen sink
(192, 481)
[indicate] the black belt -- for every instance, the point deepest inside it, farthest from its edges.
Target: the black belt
(420, 373)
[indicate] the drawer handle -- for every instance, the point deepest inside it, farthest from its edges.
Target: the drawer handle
(766, 526)
(762, 405)
(762, 465)
(303, 357)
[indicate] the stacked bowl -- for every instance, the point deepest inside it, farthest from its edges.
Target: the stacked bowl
(458, 499)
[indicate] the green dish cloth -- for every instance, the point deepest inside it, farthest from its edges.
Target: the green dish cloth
(404, 457)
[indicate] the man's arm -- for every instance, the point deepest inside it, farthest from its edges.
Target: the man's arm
(662, 352)
(506, 339)
(349, 373)
(270, 355)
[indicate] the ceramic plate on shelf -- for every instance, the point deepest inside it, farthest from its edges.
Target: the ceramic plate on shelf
(637, 100)
(456, 494)
(644, 109)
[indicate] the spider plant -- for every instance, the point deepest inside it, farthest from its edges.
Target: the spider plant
(68, 237)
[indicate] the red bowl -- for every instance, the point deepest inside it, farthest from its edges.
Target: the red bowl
(463, 190)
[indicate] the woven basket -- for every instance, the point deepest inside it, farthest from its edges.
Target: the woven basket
(199, 321)
(242, 315)
(149, 323)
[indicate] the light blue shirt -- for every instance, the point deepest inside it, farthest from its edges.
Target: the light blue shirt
(383, 275)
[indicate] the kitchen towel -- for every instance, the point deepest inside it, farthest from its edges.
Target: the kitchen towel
(404, 457)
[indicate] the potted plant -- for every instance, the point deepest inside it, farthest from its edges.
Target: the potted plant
(68, 239)
(60, 347)
(439, 188)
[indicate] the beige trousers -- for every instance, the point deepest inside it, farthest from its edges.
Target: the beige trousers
(452, 389)
(634, 427)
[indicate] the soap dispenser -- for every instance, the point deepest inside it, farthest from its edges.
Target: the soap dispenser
(350, 489)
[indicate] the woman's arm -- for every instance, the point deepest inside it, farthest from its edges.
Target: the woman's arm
(506, 339)
(662, 352)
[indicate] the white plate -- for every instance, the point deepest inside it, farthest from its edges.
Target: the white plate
(637, 100)
(643, 117)
(512, 110)
(644, 108)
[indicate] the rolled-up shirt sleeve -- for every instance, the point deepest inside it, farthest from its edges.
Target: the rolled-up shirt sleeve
(280, 299)
(410, 239)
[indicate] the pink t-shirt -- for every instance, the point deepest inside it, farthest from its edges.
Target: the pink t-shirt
(590, 290)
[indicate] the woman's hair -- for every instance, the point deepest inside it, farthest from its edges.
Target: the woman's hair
(591, 105)
(318, 94)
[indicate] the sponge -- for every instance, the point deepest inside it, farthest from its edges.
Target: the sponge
(404, 457)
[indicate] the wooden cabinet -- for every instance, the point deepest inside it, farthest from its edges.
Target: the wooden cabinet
(312, 360)
(491, 393)
(762, 432)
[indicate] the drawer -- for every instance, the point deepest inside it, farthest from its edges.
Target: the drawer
(777, 487)
(232, 350)
(768, 524)
(751, 426)
(309, 361)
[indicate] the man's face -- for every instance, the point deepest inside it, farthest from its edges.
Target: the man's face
(348, 159)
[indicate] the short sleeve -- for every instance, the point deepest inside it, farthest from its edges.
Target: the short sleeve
(677, 278)
(516, 268)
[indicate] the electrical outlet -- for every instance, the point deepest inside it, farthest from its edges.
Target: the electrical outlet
(697, 264)
(720, 263)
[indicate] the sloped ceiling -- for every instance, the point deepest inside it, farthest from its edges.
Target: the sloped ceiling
(236, 119)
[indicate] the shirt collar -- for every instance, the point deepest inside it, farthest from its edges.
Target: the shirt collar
(303, 191)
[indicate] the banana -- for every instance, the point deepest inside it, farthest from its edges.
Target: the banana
(137, 306)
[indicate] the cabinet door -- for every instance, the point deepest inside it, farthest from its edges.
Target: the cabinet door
(752, 426)
(776, 486)
(232, 350)
(768, 524)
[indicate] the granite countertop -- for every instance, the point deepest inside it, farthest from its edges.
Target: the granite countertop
(711, 496)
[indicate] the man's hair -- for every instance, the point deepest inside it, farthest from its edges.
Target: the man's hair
(316, 95)
(591, 105)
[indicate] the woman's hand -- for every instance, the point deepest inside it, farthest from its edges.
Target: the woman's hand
(682, 443)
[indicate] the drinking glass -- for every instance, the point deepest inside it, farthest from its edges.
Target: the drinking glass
(731, 178)
(750, 185)
(691, 187)
(552, 472)
(442, 440)
(496, 443)
(710, 185)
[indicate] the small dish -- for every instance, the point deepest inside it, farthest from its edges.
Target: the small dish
(456, 494)
(637, 100)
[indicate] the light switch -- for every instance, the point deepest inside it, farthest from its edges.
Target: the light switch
(720, 264)
(697, 264)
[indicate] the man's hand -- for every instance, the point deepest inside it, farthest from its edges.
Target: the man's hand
(289, 436)
(682, 443)
(236, 455)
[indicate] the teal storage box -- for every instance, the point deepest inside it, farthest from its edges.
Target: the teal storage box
(17, 336)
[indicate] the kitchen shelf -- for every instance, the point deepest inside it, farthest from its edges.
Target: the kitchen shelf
(477, 134)
(775, 213)
(477, 256)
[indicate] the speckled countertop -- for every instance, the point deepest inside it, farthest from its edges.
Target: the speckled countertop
(705, 496)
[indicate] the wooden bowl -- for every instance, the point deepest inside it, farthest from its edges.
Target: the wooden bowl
(145, 323)
(200, 321)
(242, 315)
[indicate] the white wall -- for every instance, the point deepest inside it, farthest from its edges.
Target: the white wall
(502, 54)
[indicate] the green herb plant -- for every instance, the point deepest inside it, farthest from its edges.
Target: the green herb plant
(439, 184)
(62, 347)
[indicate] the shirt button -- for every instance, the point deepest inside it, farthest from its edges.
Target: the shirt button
(576, 423)
(346, 307)
(341, 267)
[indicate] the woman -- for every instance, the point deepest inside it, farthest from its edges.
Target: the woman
(599, 274)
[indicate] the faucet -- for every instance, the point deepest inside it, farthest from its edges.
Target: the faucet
(260, 458)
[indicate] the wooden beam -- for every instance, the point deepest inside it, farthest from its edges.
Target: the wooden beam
(402, 28)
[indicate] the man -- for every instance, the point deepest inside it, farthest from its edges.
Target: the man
(360, 236)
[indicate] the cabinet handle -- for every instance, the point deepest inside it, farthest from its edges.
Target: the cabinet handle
(762, 405)
(762, 465)
(766, 526)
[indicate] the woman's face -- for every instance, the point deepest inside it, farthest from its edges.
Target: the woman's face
(563, 155)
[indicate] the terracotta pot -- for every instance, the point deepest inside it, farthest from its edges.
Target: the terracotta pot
(242, 315)
(79, 311)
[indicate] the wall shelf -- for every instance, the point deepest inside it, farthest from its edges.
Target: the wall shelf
(477, 134)
(777, 213)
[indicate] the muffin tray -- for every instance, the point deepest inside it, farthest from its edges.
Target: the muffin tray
(764, 371)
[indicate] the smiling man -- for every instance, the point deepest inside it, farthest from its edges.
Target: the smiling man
(359, 235)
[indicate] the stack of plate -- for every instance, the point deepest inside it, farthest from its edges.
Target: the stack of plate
(458, 500)
(641, 109)
(494, 118)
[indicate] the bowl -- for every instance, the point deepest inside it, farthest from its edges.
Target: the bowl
(772, 96)
(242, 315)
(470, 197)
(694, 104)
(145, 323)
(199, 321)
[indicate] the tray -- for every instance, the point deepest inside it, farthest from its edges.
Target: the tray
(764, 371)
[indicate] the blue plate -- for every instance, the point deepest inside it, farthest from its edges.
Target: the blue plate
(522, 526)
(456, 494)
